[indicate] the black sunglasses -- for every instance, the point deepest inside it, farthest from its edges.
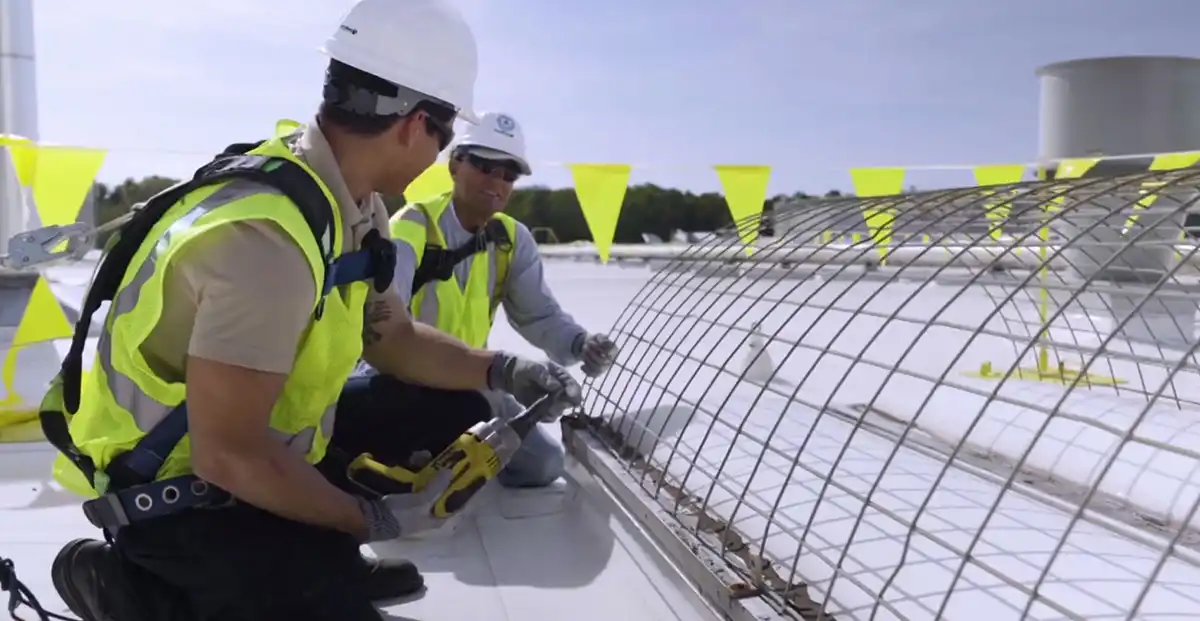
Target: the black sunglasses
(508, 169)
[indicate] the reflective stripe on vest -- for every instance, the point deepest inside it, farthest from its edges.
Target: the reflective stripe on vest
(464, 310)
(145, 409)
(122, 396)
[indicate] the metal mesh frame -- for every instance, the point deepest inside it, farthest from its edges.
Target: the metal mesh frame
(1081, 291)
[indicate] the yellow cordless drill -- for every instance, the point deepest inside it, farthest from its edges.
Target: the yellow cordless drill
(475, 458)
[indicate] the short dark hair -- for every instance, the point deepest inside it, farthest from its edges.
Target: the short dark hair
(339, 74)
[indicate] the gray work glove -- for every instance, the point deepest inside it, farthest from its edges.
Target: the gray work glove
(405, 515)
(527, 381)
(598, 352)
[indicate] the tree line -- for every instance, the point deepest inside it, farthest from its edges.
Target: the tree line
(553, 214)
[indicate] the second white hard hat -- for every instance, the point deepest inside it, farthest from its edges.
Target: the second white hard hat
(498, 136)
(423, 45)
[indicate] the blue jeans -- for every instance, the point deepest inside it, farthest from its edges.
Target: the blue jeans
(541, 458)
(538, 463)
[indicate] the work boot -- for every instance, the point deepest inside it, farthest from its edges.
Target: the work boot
(392, 579)
(90, 578)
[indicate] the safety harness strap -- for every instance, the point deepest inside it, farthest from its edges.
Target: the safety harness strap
(129, 479)
(503, 259)
(438, 263)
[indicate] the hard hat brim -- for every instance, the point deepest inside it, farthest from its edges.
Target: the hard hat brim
(489, 153)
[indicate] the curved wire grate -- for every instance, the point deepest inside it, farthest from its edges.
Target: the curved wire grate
(986, 406)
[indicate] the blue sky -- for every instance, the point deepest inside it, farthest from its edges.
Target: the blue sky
(810, 87)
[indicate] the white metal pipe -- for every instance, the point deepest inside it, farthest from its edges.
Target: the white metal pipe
(18, 106)
(1119, 106)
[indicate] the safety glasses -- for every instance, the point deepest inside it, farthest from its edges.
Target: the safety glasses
(508, 169)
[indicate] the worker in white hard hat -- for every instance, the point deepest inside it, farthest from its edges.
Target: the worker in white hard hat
(460, 257)
(214, 431)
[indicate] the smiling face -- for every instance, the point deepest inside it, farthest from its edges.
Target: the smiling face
(483, 182)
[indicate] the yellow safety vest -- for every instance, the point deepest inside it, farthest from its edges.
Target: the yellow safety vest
(468, 311)
(122, 398)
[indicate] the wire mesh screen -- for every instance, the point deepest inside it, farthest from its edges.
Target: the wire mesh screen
(972, 404)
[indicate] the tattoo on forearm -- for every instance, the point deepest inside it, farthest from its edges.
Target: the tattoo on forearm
(376, 312)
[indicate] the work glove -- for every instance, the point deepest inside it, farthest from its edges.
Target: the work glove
(527, 381)
(405, 515)
(598, 352)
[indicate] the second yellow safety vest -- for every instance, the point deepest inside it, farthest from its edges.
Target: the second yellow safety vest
(465, 311)
(122, 398)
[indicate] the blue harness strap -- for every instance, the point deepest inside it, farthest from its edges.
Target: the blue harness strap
(375, 262)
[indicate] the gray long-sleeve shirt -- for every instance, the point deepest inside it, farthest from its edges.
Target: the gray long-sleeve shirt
(528, 303)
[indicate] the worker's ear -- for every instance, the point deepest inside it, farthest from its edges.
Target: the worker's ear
(454, 164)
(409, 129)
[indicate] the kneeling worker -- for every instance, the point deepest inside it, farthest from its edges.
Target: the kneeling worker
(217, 424)
(459, 257)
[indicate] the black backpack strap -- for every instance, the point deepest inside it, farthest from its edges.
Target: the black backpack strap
(437, 263)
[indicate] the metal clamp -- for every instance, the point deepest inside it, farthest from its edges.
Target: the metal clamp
(36, 248)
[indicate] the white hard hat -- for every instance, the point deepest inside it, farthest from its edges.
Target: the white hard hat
(423, 45)
(498, 136)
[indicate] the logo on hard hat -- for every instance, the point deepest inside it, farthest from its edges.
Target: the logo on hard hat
(505, 125)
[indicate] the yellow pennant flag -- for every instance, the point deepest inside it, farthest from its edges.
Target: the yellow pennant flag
(43, 320)
(998, 174)
(875, 182)
(1175, 161)
(1075, 168)
(24, 158)
(63, 178)
(601, 191)
(871, 182)
(745, 194)
(435, 181)
(879, 227)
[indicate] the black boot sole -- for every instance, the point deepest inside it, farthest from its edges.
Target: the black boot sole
(60, 575)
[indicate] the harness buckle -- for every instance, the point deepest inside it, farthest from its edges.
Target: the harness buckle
(106, 513)
(383, 259)
(494, 232)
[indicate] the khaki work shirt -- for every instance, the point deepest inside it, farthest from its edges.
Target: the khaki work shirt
(242, 293)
